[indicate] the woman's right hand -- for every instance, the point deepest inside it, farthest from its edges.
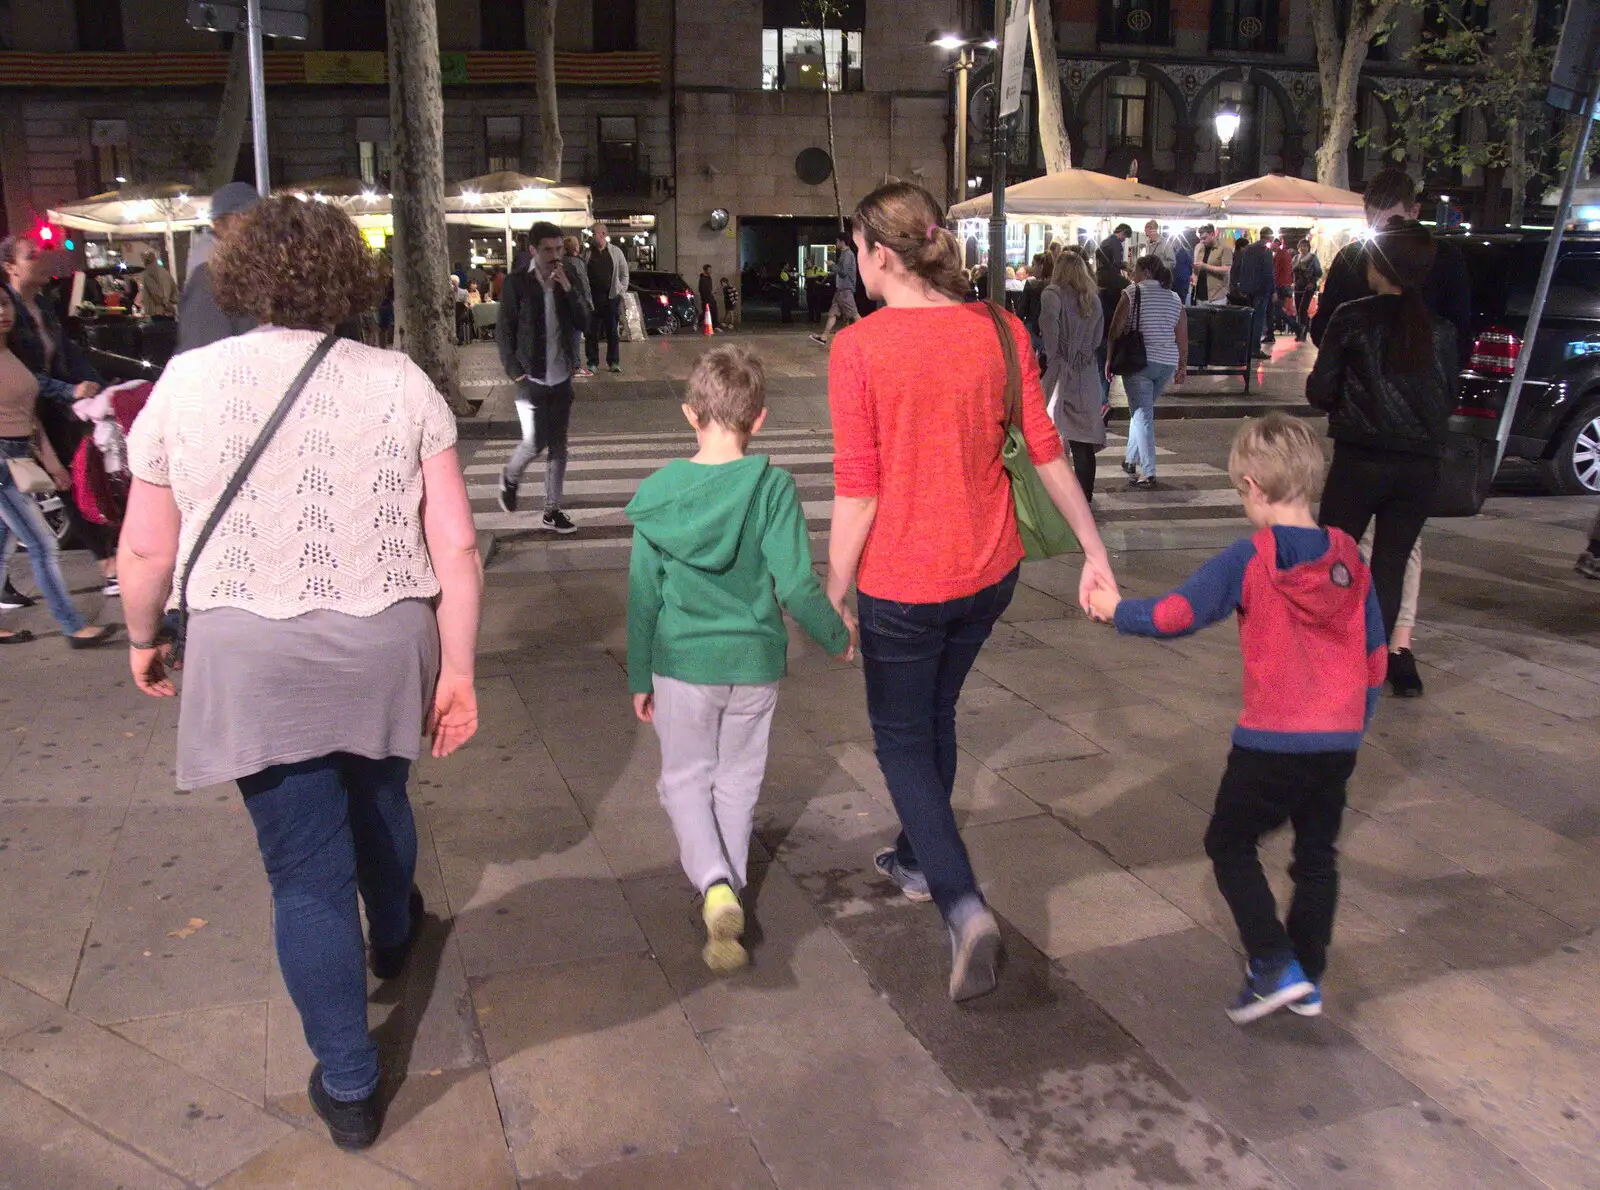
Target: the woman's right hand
(454, 717)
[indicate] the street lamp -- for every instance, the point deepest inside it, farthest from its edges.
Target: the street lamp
(1227, 128)
(963, 48)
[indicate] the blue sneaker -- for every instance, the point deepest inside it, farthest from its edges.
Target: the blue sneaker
(910, 881)
(1309, 1004)
(1269, 984)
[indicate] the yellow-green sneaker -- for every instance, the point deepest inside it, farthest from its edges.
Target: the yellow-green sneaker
(724, 926)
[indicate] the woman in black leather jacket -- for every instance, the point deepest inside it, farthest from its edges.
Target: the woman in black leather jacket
(1386, 375)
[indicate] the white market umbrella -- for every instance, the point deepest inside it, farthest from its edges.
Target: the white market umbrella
(1084, 193)
(158, 209)
(508, 200)
(1281, 197)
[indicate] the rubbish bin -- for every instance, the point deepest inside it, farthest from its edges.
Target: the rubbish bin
(1228, 337)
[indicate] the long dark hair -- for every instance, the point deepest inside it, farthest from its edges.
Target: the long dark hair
(907, 220)
(1404, 252)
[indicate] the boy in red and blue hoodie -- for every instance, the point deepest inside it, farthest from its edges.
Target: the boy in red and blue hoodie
(1314, 659)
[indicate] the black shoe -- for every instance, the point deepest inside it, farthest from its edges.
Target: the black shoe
(95, 641)
(1259, 355)
(389, 961)
(558, 522)
(352, 1125)
(12, 599)
(20, 637)
(1403, 677)
(508, 494)
(1143, 483)
(1129, 468)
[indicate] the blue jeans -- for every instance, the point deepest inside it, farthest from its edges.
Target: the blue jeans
(327, 827)
(1143, 387)
(917, 655)
(19, 514)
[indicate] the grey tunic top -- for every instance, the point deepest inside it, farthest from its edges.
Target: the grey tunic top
(1071, 380)
(260, 692)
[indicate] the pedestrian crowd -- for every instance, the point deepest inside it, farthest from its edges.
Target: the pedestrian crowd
(297, 537)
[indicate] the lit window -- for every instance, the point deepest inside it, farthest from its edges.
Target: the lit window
(1125, 111)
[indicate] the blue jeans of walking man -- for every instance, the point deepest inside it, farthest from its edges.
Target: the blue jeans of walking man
(916, 657)
(1143, 387)
(326, 828)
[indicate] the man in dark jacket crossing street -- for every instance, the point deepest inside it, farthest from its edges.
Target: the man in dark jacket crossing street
(542, 311)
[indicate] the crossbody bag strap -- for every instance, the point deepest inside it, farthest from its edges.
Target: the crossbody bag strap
(243, 472)
(1008, 348)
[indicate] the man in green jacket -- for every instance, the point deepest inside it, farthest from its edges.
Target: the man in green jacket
(719, 549)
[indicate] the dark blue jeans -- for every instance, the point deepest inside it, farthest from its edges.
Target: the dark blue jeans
(917, 655)
(327, 827)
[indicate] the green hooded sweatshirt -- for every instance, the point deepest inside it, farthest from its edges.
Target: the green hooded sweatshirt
(717, 550)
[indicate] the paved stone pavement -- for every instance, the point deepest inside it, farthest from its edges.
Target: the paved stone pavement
(557, 1028)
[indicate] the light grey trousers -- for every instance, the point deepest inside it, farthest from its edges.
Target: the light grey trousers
(713, 759)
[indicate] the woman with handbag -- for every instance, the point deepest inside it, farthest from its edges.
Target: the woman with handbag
(1072, 325)
(925, 526)
(21, 479)
(335, 580)
(1149, 347)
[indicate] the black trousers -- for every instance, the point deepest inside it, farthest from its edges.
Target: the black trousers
(1302, 311)
(1260, 791)
(1395, 490)
(1083, 465)
(604, 321)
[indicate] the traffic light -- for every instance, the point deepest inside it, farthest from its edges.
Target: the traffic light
(47, 235)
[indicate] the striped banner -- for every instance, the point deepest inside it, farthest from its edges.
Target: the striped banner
(288, 67)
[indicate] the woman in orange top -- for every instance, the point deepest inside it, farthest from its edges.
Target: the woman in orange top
(924, 526)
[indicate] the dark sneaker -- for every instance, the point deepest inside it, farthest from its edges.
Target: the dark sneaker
(1269, 984)
(1309, 1004)
(910, 881)
(617, 368)
(1144, 483)
(1404, 680)
(974, 956)
(508, 494)
(389, 961)
(1129, 468)
(352, 1125)
(12, 599)
(112, 589)
(558, 522)
(1588, 566)
(819, 339)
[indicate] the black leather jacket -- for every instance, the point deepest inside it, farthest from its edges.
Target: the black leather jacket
(1367, 403)
(520, 329)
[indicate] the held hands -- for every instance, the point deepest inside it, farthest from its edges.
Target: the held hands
(454, 717)
(86, 390)
(1097, 581)
(644, 708)
(1103, 605)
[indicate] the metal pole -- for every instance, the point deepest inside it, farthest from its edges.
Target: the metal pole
(258, 95)
(963, 69)
(997, 157)
(1546, 271)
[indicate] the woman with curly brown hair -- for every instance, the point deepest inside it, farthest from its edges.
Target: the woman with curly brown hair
(925, 528)
(335, 609)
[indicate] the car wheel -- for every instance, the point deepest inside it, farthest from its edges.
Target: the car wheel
(1574, 469)
(671, 325)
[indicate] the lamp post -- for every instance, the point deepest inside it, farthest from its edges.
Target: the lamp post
(966, 58)
(1227, 128)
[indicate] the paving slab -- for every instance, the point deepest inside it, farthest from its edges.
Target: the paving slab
(84, 747)
(827, 845)
(1411, 1145)
(178, 1120)
(1280, 1076)
(21, 1008)
(594, 1061)
(1077, 1101)
(1057, 687)
(981, 794)
(173, 867)
(1001, 730)
(1062, 893)
(226, 1046)
(53, 861)
(1534, 1093)
(306, 1161)
(730, 1165)
(44, 1148)
(1551, 988)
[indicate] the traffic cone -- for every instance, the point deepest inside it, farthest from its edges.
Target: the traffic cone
(707, 324)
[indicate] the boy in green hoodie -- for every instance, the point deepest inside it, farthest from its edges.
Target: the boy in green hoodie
(719, 547)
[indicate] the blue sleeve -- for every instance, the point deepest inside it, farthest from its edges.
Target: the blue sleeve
(51, 389)
(1210, 594)
(1377, 652)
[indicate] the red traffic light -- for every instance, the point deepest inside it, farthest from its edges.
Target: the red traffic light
(46, 234)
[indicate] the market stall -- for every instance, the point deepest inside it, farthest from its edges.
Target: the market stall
(1333, 216)
(1073, 205)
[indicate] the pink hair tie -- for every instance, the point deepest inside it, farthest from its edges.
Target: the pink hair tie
(933, 229)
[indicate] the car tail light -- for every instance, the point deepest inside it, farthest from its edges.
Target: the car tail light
(1477, 411)
(662, 298)
(1495, 351)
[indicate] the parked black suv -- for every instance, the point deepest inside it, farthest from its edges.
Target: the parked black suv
(1557, 422)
